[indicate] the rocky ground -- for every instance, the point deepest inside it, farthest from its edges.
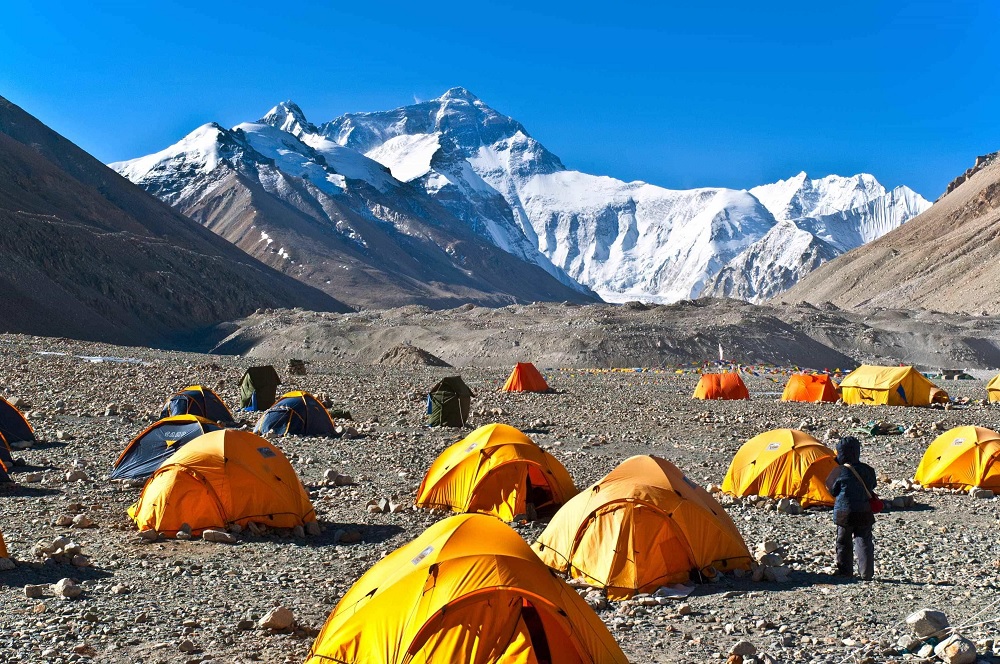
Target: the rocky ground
(196, 601)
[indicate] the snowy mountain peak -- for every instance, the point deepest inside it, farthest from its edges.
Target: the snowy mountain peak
(287, 116)
(459, 93)
(802, 196)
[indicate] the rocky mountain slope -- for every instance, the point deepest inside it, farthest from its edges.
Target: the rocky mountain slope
(85, 253)
(943, 260)
(335, 219)
(454, 167)
(626, 240)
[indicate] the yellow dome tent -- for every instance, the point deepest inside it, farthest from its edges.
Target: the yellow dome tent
(784, 463)
(642, 526)
(892, 386)
(962, 458)
(222, 478)
(495, 470)
(469, 590)
(993, 389)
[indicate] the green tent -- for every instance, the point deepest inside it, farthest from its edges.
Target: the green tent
(259, 388)
(449, 403)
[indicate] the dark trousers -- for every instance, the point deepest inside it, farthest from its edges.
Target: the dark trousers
(854, 537)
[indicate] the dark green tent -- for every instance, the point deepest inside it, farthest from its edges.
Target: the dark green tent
(259, 388)
(449, 403)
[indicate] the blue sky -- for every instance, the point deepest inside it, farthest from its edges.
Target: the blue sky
(678, 94)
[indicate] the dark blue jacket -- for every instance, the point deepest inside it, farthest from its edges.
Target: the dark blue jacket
(851, 498)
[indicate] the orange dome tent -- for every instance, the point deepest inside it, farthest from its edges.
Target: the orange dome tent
(468, 589)
(3, 547)
(525, 378)
(495, 470)
(721, 386)
(784, 463)
(219, 479)
(642, 526)
(811, 388)
(962, 458)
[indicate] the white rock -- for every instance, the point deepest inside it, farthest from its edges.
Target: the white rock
(277, 618)
(927, 622)
(220, 536)
(743, 649)
(66, 589)
(76, 476)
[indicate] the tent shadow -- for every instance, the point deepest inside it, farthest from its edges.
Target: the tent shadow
(22, 491)
(370, 533)
(40, 573)
(797, 579)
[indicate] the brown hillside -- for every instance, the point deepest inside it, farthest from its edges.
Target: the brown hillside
(944, 259)
(85, 253)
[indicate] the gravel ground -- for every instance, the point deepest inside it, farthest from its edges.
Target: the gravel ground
(145, 602)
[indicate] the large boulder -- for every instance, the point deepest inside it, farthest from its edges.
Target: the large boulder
(926, 623)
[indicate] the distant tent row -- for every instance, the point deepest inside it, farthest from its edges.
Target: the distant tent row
(873, 385)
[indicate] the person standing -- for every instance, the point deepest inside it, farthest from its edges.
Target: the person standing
(852, 483)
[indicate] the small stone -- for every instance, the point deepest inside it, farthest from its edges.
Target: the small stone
(76, 476)
(277, 618)
(299, 532)
(64, 521)
(66, 589)
(956, 649)
(80, 561)
(149, 535)
(35, 591)
(771, 560)
(220, 536)
(245, 625)
(82, 521)
(63, 435)
(684, 609)
(768, 546)
(743, 649)
(344, 480)
(313, 529)
(186, 646)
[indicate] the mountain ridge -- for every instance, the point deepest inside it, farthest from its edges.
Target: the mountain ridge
(90, 255)
(623, 240)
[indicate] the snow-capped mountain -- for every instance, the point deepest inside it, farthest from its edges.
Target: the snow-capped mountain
(625, 240)
(455, 162)
(818, 221)
(336, 219)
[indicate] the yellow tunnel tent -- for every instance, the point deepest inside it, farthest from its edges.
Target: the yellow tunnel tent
(892, 386)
